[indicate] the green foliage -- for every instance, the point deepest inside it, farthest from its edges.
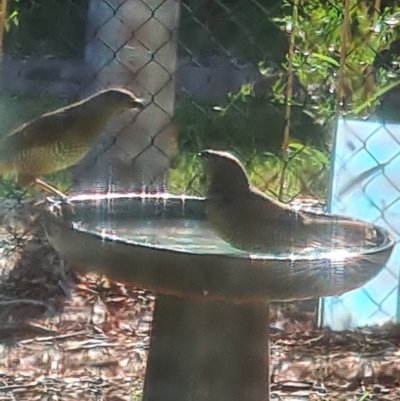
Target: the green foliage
(187, 176)
(253, 129)
(61, 180)
(307, 173)
(9, 188)
(364, 396)
(137, 395)
(12, 16)
(316, 60)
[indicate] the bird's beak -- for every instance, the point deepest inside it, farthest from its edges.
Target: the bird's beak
(204, 153)
(139, 103)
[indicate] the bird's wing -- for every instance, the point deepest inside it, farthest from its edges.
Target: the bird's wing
(35, 133)
(254, 222)
(262, 208)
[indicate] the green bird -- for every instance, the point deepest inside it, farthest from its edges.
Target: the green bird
(251, 221)
(59, 139)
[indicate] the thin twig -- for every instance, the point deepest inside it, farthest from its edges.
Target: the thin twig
(55, 337)
(343, 41)
(289, 94)
(370, 86)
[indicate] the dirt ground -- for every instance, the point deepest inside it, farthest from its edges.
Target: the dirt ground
(66, 336)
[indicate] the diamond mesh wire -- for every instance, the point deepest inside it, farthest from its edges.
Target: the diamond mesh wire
(265, 80)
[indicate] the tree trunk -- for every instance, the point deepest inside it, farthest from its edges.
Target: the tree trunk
(132, 43)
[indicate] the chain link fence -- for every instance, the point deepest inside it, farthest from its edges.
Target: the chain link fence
(365, 186)
(264, 79)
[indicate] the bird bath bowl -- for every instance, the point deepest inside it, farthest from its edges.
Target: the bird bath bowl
(210, 329)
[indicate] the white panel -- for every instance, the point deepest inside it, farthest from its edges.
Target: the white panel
(366, 185)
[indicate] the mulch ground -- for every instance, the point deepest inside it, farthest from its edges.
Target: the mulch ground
(65, 336)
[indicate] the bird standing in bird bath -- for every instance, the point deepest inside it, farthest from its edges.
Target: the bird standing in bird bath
(251, 221)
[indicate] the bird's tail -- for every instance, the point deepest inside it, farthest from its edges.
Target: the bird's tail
(342, 233)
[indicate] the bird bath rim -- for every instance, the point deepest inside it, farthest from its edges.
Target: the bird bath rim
(239, 277)
(53, 204)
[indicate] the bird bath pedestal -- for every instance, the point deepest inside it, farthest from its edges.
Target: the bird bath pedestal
(210, 334)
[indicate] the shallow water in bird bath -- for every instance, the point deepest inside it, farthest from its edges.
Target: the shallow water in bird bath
(176, 223)
(180, 235)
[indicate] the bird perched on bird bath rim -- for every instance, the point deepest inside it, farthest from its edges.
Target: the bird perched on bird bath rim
(251, 221)
(59, 139)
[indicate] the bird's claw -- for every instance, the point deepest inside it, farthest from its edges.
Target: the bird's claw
(62, 206)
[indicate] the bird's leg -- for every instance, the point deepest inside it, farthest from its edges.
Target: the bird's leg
(64, 201)
(50, 189)
(28, 181)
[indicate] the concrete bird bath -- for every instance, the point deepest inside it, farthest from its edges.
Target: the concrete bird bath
(210, 334)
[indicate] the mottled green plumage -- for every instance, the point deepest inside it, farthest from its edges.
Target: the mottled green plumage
(60, 139)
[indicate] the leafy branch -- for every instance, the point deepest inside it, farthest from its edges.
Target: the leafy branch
(316, 60)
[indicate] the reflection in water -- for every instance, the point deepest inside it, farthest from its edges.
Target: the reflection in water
(197, 237)
(180, 235)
